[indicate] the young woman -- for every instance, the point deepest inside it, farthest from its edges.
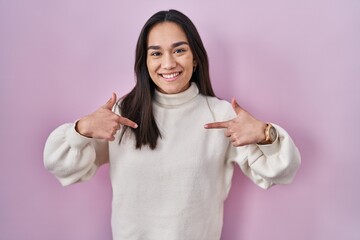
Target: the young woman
(171, 144)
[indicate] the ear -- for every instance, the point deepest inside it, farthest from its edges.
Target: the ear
(194, 67)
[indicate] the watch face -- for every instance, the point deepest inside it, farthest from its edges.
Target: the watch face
(272, 133)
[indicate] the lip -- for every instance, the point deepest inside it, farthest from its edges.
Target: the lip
(169, 77)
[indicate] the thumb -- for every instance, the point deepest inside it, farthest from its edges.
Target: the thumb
(110, 104)
(236, 106)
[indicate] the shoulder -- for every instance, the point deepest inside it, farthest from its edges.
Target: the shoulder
(221, 109)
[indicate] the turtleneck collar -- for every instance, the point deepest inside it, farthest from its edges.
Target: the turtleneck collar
(172, 100)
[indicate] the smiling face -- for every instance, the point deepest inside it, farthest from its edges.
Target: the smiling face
(170, 61)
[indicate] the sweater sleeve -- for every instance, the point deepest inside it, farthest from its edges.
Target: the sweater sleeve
(72, 157)
(270, 164)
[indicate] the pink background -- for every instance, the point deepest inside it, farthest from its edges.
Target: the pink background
(295, 63)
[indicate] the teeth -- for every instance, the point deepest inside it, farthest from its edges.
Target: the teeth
(170, 75)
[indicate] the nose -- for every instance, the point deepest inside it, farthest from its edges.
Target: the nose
(168, 61)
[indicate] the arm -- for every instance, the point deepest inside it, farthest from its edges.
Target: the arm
(265, 165)
(72, 157)
(73, 152)
(271, 164)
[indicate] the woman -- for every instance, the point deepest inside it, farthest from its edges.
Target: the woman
(173, 148)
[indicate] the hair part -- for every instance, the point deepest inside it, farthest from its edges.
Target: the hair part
(137, 104)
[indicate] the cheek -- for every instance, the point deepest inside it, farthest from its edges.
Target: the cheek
(189, 61)
(150, 67)
(153, 64)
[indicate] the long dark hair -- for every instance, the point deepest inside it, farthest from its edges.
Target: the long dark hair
(137, 104)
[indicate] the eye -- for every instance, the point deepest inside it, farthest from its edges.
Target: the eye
(155, 54)
(180, 50)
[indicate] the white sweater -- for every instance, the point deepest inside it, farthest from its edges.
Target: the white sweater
(177, 191)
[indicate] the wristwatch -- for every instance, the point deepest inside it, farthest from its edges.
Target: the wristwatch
(270, 134)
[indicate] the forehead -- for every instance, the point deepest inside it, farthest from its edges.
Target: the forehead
(166, 33)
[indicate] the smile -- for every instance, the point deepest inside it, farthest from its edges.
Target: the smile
(171, 75)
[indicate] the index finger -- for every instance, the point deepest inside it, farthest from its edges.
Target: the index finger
(127, 122)
(216, 125)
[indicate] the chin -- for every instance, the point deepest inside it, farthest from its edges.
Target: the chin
(173, 89)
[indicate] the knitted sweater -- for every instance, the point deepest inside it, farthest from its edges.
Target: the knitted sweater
(176, 191)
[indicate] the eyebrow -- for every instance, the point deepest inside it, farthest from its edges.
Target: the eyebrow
(174, 45)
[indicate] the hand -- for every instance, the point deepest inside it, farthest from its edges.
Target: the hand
(244, 129)
(103, 123)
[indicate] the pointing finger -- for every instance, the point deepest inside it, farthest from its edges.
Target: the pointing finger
(127, 122)
(217, 125)
(236, 106)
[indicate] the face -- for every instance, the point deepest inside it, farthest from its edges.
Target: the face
(170, 61)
